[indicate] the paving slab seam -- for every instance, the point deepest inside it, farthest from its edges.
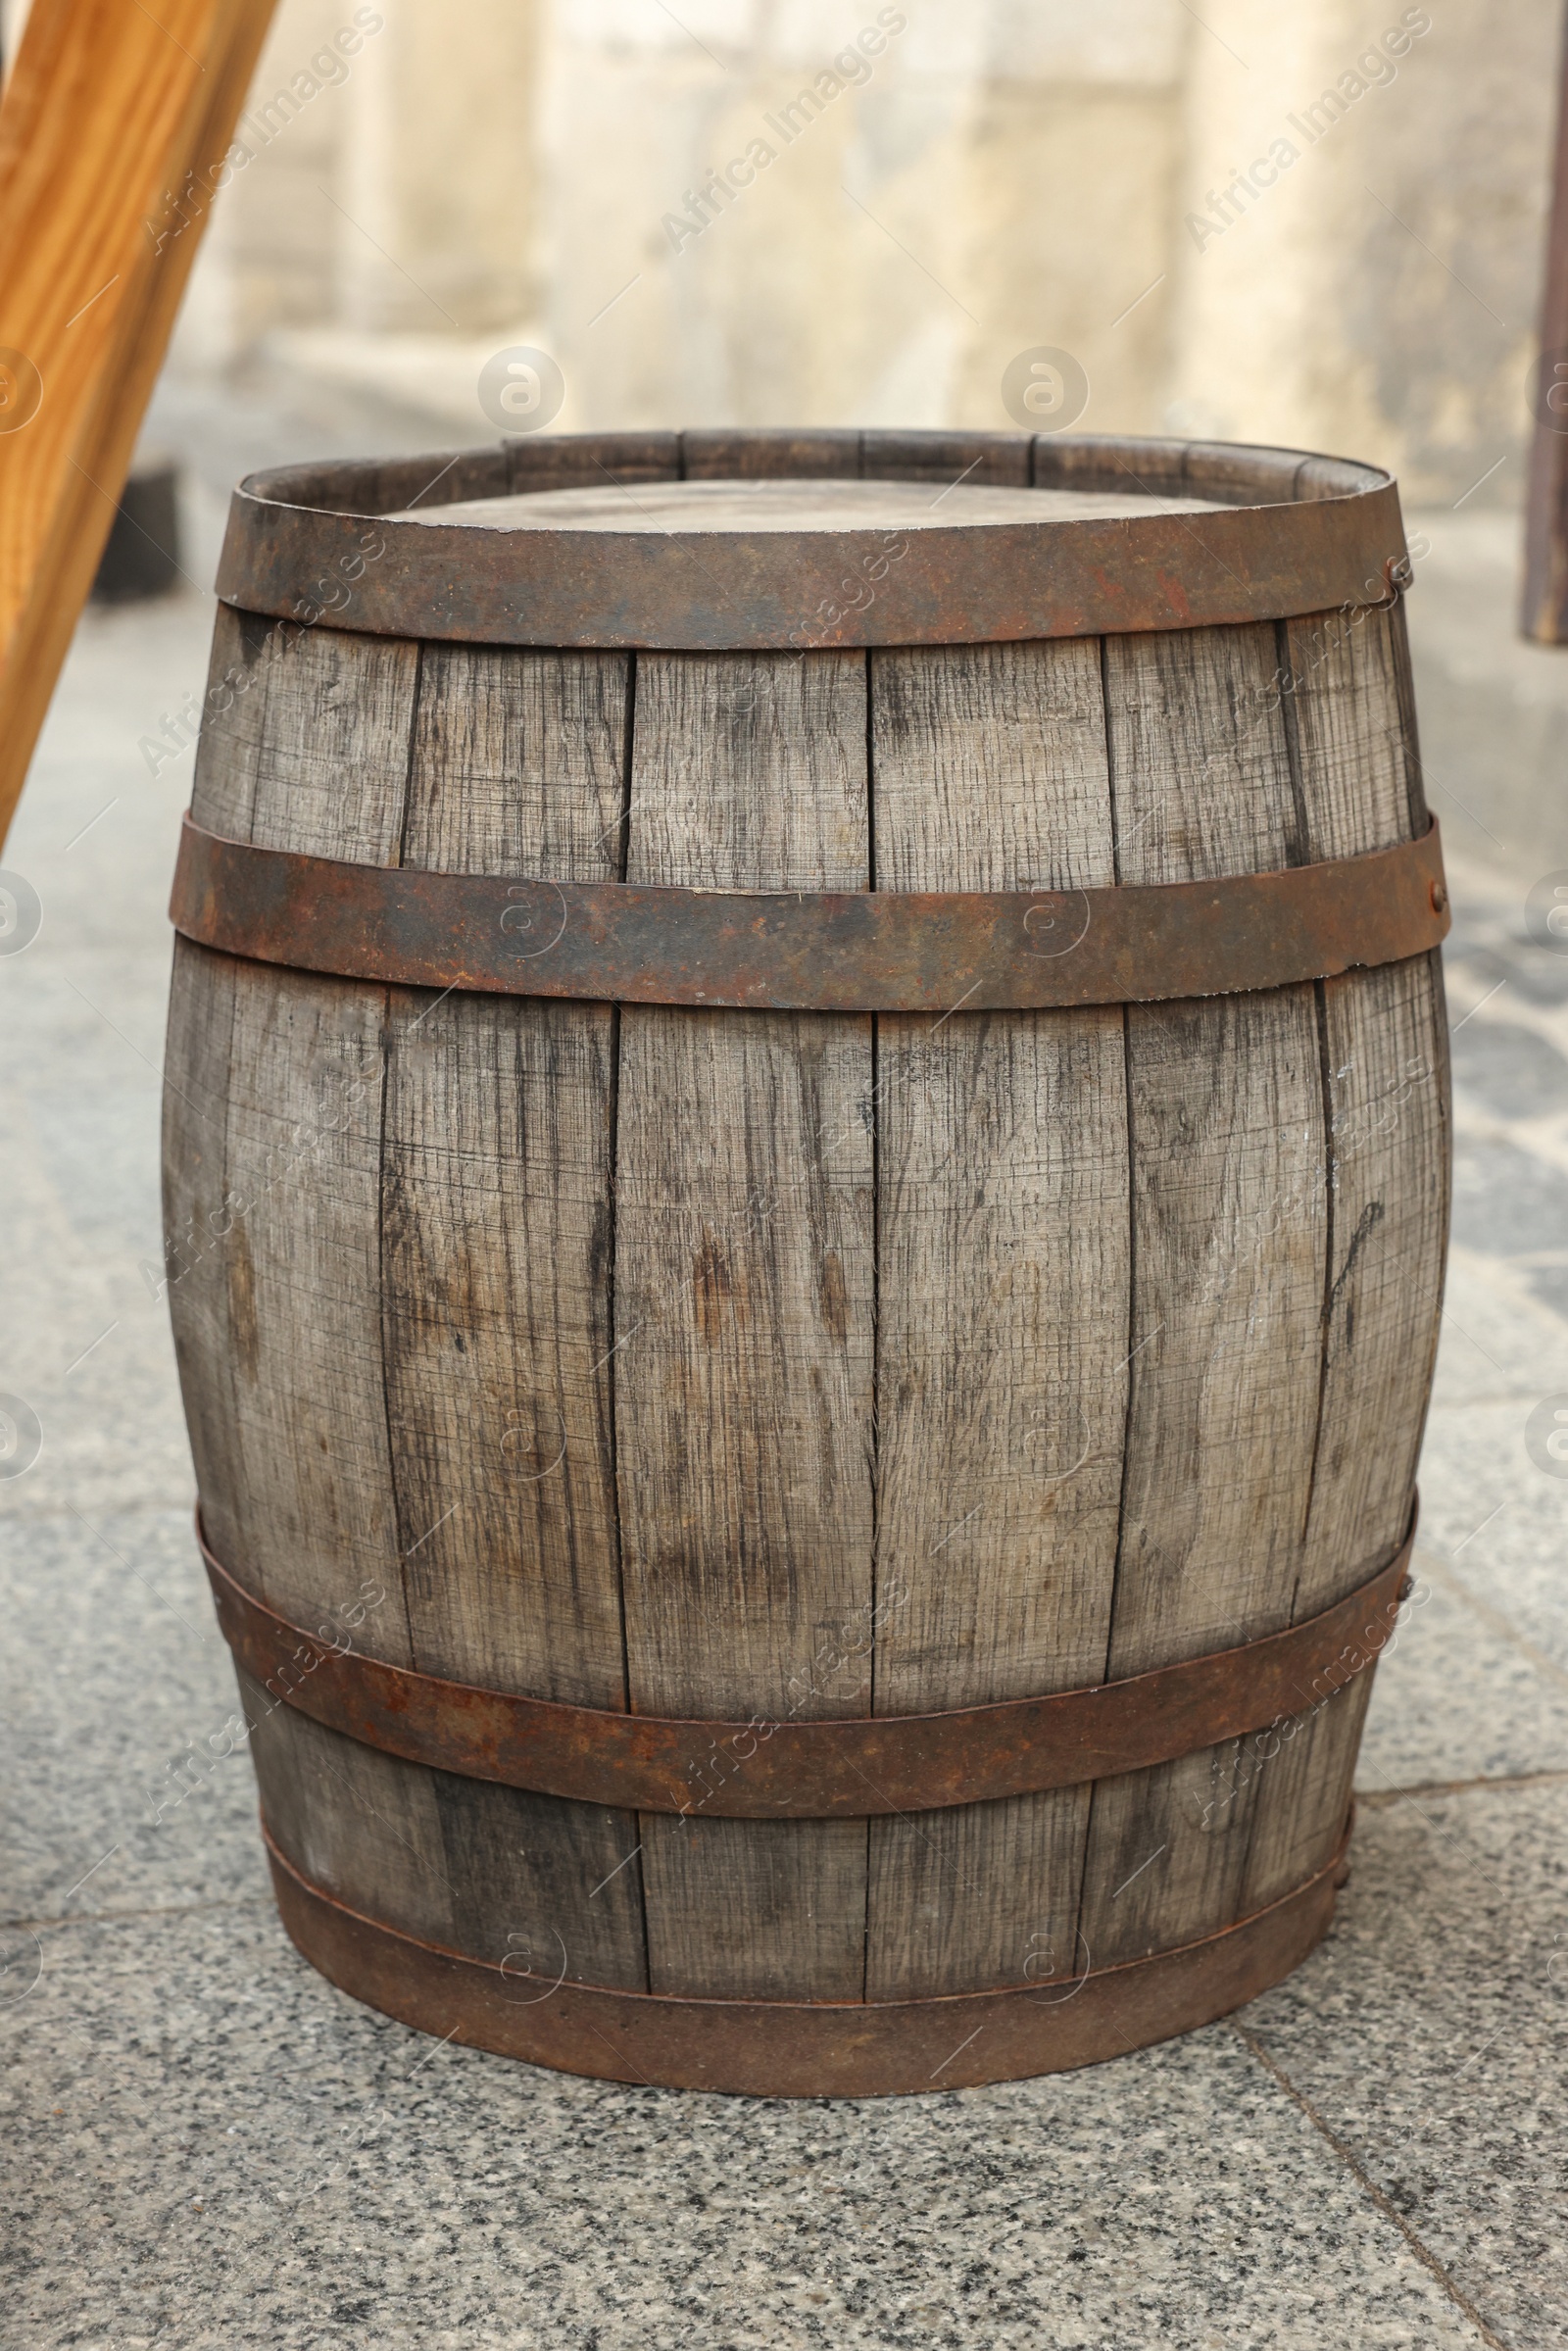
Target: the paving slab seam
(1376, 1799)
(1390, 2212)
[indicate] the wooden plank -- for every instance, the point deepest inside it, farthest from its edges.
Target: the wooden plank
(198, 1057)
(1385, 1063)
(223, 794)
(496, 1266)
(301, 748)
(310, 1489)
(495, 1185)
(508, 1877)
(722, 452)
(198, 1054)
(107, 113)
(1225, 1113)
(362, 1825)
(744, 1315)
(496, 1274)
(1385, 1038)
(1002, 1301)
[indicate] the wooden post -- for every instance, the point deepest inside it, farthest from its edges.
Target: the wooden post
(1544, 614)
(113, 134)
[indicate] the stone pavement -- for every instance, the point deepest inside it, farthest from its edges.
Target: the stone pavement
(205, 2144)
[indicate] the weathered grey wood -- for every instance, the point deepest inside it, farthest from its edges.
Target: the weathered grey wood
(233, 716)
(511, 1878)
(361, 1824)
(332, 751)
(498, 1222)
(1384, 1060)
(199, 1213)
(313, 1483)
(1003, 1277)
(1385, 1065)
(744, 1306)
(494, 1317)
(497, 1271)
(198, 1056)
(303, 1489)
(1225, 1114)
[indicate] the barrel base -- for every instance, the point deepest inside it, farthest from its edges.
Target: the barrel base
(799, 2049)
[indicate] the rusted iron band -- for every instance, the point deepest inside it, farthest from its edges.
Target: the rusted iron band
(324, 544)
(806, 2049)
(810, 1769)
(869, 950)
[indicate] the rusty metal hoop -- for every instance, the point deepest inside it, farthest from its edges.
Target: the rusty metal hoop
(804, 2049)
(834, 1769)
(872, 950)
(1284, 533)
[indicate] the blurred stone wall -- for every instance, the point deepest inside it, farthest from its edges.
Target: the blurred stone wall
(1311, 220)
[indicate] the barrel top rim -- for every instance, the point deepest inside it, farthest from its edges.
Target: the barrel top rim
(1156, 534)
(317, 485)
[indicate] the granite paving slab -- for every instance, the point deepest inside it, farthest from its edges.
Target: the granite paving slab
(218, 2149)
(128, 1781)
(1431, 2038)
(1458, 1696)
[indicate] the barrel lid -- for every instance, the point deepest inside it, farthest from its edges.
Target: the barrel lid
(761, 542)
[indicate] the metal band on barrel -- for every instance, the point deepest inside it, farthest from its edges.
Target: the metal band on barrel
(768, 1769)
(334, 544)
(869, 950)
(804, 2049)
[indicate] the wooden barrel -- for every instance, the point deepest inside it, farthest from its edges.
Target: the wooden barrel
(806, 1183)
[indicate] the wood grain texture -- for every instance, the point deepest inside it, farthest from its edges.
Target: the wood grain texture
(743, 1314)
(1225, 1115)
(198, 1058)
(1385, 1038)
(298, 1493)
(205, 1259)
(496, 1203)
(497, 1266)
(1385, 1084)
(1003, 1280)
(515, 1879)
(415, 1297)
(223, 794)
(107, 114)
